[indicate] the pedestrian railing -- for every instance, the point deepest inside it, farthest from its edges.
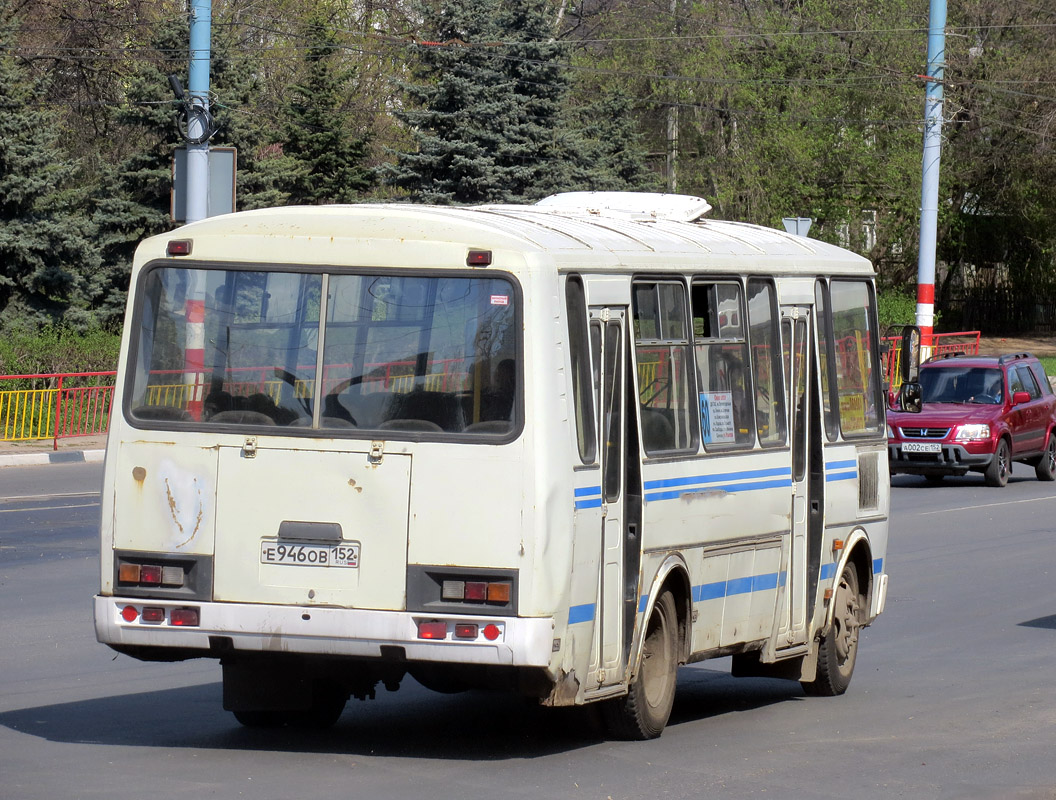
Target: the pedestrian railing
(941, 343)
(55, 405)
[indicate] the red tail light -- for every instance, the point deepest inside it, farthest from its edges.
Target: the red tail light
(187, 617)
(432, 630)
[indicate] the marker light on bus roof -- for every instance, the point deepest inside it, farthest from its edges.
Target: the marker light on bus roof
(478, 258)
(178, 247)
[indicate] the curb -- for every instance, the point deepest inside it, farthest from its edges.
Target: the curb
(56, 457)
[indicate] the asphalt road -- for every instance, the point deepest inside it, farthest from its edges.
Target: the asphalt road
(953, 695)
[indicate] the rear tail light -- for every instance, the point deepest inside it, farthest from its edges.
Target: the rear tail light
(432, 630)
(150, 574)
(186, 617)
(466, 630)
(136, 574)
(477, 591)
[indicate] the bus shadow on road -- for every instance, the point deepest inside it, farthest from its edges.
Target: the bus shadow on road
(1048, 623)
(414, 723)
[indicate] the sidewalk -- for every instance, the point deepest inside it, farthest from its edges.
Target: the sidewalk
(39, 451)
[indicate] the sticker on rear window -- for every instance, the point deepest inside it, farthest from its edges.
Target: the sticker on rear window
(500, 300)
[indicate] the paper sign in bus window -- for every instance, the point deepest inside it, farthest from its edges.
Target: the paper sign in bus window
(716, 418)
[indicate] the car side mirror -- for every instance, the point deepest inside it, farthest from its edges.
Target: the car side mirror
(909, 354)
(1019, 398)
(911, 397)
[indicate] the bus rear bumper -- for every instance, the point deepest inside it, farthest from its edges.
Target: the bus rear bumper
(356, 633)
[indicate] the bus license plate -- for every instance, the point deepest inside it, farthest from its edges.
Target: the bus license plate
(310, 555)
(921, 447)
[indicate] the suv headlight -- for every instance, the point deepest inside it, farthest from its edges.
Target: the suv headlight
(890, 433)
(972, 433)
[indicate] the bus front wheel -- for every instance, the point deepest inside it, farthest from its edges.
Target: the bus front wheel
(643, 712)
(838, 648)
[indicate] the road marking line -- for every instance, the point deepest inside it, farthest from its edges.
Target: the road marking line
(988, 505)
(46, 508)
(48, 496)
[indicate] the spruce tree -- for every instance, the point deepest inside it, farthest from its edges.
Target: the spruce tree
(47, 254)
(484, 107)
(320, 134)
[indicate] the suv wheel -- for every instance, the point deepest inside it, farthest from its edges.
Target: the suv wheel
(1000, 466)
(1046, 468)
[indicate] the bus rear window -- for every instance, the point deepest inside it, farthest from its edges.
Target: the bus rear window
(412, 354)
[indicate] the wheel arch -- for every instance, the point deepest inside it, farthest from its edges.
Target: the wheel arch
(859, 553)
(672, 575)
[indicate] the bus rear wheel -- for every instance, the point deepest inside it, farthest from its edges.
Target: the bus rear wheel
(838, 648)
(643, 712)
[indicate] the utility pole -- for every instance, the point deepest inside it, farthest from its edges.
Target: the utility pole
(199, 129)
(929, 193)
(199, 121)
(672, 120)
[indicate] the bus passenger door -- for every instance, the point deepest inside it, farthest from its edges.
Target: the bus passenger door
(608, 348)
(798, 352)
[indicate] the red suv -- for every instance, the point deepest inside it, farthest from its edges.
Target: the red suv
(979, 413)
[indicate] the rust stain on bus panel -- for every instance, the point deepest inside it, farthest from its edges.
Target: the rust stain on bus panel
(174, 511)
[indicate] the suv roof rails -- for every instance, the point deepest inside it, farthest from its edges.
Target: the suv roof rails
(944, 356)
(1013, 357)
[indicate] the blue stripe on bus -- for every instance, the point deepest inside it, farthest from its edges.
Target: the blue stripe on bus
(583, 613)
(726, 487)
(848, 464)
(846, 470)
(766, 582)
(587, 497)
(727, 476)
(840, 476)
(753, 583)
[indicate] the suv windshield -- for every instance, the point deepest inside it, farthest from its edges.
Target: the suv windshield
(961, 385)
(296, 349)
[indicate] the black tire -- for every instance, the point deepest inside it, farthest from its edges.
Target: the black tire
(1000, 465)
(838, 648)
(1046, 468)
(643, 712)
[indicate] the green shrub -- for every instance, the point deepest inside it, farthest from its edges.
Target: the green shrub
(57, 349)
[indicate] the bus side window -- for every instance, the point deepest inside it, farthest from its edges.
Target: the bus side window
(579, 351)
(857, 376)
(661, 339)
(828, 380)
(766, 363)
(720, 349)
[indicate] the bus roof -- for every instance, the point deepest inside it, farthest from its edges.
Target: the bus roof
(580, 230)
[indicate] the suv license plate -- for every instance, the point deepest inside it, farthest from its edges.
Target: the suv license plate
(921, 447)
(310, 555)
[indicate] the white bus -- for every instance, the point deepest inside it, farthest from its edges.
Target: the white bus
(560, 449)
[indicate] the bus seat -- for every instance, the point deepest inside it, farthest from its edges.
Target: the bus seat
(440, 408)
(160, 413)
(242, 417)
(657, 431)
(410, 425)
(493, 426)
